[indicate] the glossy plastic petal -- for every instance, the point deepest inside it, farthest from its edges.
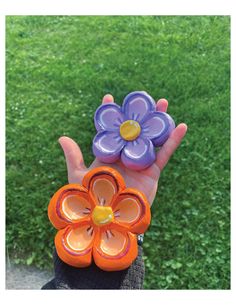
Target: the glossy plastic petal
(157, 127)
(138, 154)
(132, 210)
(114, 249)
(108, 117)
(107, 146)
(68, 205)
(137, 105)
(74, 244)
(104, 184)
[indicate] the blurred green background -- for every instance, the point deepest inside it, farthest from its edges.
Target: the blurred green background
(59, 68)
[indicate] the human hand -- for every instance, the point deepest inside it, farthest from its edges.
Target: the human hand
(68, 277)
(145, 180)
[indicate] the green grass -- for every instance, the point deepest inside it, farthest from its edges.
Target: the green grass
(58, 69)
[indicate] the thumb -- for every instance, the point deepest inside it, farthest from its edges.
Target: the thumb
(76, 168)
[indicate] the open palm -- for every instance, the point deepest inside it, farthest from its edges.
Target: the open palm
(145, 180)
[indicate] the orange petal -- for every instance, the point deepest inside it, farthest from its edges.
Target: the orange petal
(74, 244)
(132, 210)
(69, 204)
(103, 184)
(114, 249)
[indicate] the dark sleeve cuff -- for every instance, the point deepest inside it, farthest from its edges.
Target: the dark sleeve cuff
(92, 277)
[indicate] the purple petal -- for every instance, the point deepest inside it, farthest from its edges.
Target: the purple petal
(158, 127)
(107, 146)
(137, 105)
(138, 154)
(108, 117)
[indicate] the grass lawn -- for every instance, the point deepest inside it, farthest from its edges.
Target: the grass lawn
(58, 69)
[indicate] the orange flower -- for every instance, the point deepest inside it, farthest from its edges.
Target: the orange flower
(99, 219)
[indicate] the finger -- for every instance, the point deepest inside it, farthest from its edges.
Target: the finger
(108, 98)
(170, 145)
(74, 159)
(162, 105)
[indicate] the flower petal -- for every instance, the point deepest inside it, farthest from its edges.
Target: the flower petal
(69, 204)
(132, 210)
(104, 184)
(157, 127)
(114, 249)
(137, 105)
(138, 154)
(107, 146)
(74, 244)
(108, 117)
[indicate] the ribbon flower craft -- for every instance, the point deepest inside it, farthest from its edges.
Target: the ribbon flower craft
(99, 220)
(131, 132)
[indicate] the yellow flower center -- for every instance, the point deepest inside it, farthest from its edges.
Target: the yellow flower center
(102, 215)
(130, 130)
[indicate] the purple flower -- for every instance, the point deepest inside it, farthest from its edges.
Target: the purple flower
(131, 132)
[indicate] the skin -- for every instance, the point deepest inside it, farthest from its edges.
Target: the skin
(145, 180)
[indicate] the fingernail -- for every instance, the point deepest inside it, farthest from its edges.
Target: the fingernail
(108, 98)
